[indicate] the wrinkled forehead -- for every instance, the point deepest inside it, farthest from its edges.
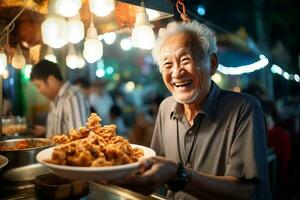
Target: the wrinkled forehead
(172, 43)
(177, 51)
(180, 44)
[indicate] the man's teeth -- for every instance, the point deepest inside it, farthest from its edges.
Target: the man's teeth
(182, 83)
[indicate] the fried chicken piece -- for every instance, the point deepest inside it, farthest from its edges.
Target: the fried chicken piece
(115, 153)
(60, 139)
(58, 156)
(108, 132)
(69, 148)
(101, 161)
(80, 158)
(93, 123)
(138, 152)
(76, 135)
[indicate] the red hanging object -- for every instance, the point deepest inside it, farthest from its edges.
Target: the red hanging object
(183, 14)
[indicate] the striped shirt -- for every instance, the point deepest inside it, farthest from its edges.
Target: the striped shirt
(69, 110)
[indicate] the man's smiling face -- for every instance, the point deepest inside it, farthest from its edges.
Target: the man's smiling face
(185, 73)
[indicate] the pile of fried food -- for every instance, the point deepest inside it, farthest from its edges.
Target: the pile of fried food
(94, 146)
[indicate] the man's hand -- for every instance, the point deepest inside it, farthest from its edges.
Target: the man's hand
(157, 171)
(154, 172)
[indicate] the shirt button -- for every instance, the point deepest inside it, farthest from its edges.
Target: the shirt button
(190, 132)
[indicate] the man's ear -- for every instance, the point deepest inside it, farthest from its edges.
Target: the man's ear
(214, 63)
(50, 79)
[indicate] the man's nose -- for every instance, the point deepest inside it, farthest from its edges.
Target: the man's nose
(177, 70)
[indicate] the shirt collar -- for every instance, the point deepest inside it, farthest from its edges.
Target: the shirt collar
(63, 89)
(209, 105)
(177, 111)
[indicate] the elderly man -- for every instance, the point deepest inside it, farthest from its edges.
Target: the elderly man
(69, 108)
(211, 143)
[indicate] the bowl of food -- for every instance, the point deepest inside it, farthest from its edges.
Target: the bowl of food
(3, 162)
(93, 173)
(94, 152)
(21, 154)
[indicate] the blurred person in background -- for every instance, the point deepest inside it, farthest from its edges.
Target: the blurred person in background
(210, 143)
(68, 107)
(85, 87)
(144, 122)
(101, 100)
(116, 117)
(6, 105)
(142, 130)
(280, 141)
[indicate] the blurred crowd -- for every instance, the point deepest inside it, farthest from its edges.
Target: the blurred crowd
(284, 144)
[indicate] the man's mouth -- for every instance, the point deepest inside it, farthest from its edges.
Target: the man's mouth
(183, 83)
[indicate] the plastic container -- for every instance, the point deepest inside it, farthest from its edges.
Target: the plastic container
(50, 186)
(14, 125)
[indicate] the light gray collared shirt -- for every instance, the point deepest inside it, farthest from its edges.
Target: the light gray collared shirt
(230, 141)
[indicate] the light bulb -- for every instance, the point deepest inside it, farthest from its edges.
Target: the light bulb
(51, 58)
(18, 60)
(126, 44)
(93, 48)
(71, 61)
(71, 57)
(74, 60)
(50, 55)
(142, 35)
(80, 61)
(76, 29)
(67, 8)
(3, 62)
(101, 8)
(109, 38)
(5, 74)
(55, 31)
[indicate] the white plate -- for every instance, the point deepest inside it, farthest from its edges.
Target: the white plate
(92, 173)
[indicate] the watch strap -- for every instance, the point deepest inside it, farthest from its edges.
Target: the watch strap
(180, 181)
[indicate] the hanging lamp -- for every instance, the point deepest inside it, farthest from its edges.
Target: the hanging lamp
(142, 35)
(18, 59)
(93, 48)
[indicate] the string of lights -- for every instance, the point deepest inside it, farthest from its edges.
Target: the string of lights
(238, 70)
(275, 69)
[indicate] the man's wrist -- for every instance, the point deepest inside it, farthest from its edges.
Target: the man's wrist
(181, 179)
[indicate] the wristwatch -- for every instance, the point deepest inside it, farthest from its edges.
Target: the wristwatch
(180, 181)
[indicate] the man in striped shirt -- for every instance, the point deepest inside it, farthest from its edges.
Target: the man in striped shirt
(69, 108)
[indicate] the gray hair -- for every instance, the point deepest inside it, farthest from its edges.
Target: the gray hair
(206, 38)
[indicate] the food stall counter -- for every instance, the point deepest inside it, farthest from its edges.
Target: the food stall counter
(96, 191)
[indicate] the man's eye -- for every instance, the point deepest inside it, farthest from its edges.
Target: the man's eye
(167, 65)
(185, 60)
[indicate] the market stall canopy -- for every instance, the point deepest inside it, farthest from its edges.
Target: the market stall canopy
(27, 29)
(238, 53)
